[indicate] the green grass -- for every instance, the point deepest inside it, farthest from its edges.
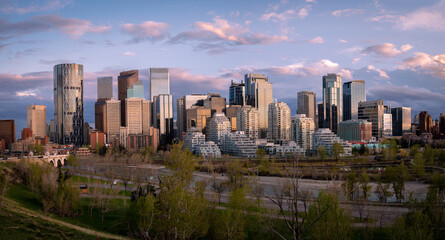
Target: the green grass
(22, 194)
(17, 226)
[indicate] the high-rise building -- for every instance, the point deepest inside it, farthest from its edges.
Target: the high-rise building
(425, 122)
(138, 115)
(302, 128)
(353, 93)
(387, 124)
(136, 90)
(113, 119)
(231, 113)
(401, 120)
(324, 137)
(26, 133)
(215, 102)
(259, 95)
(373, 111)
(163, 116)
(105, 87)
(52, 130)
(100, 118)
(124, 81)
(279, 122)
(159, 82)
(355, 130)
(248, 122)
(218, 127)
(442, 125)
(36, 120)
(183, 104)
(68, 103)
(197, 118)
(331, 114)
(237, 94)
(307, 104)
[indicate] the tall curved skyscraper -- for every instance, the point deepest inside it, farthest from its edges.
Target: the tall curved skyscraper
(68, 103)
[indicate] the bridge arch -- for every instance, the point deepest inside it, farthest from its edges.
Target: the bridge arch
(59, 163)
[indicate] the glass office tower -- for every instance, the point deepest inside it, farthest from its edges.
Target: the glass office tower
(331, 112)
(401, 120)
(68, 103)
(353, 93)
(159, 82)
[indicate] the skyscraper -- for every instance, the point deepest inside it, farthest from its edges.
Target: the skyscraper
(36, 120)
(237, 94)
(159, 82)
(163, 117)
(100, 118)
(7, 132)
(353, 93)
(279, 122)
(307, 104)
(183, 104)
(105, 87)
(136, 90)
(248, 122)
(113, 118)
(124, 81)
(331, 114)
(373, 112)
(68, 103)
(302, 128)
(401, 120)
(138, 115)
(215, 102)
(259, 95)
(425, 122)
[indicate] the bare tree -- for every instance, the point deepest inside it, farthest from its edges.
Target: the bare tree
(7, 178)
(219, 187)
(102, 199)
(286, 198)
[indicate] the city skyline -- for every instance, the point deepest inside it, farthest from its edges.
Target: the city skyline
(394, 48)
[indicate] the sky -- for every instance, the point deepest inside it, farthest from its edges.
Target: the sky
(396, 46)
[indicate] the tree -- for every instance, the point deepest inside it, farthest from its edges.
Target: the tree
(219, 187)
(322, 152)
(260, 153)
(350, 186)
(7, 178)
(234, 171)
(390, 150)
(428, 154)
(398, 176)
(419, 165)
(102, 199)
(337, 150)
(334, 223)
(364, 185)
(382, 191)
(37, 149)
(180, 203)
(363, 149)
(414, 150)
(142, 215)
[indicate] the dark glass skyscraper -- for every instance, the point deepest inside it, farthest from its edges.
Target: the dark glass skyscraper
(159, 82)
(353, 93)
(68, 103)
(307, 104)
(401, 120)
(237, 94)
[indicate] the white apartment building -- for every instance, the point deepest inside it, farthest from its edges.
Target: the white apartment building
(248, 121)
(217, 128)
(279, 122)
(238, 144)
(326, 138)
(302, 129)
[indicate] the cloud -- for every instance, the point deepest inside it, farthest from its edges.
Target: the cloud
(346, 74)
(223, 36)
(342, 41)
(429, 18)
(299, 13)
(146, 31)
(355, 60)
(384, 50)
(54, 62)
(347, 12)
(50, 5)
(129, 53)
(406, 47)
(71, 27)
(382, 74)
(423, 62)
(3, 46)
(27, 93)
(316, 40)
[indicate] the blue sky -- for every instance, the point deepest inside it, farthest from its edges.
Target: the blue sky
(396, 46)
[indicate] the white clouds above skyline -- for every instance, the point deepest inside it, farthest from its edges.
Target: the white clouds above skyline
(148, 30)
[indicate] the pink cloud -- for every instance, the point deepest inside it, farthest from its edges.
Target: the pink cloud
(382, 74)
(383, 50)
(347, 12)
(299, 13)
(431, 64)
(149, 30)
(316, 40)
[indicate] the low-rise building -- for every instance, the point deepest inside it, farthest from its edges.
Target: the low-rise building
(326, 138)
(238, 144)
(284, 149)
(355, 130)
(208, 150)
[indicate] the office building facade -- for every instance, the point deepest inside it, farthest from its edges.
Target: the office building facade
(113, 119)
(353, 93)
(237, 93)
(355, 130)
(259, 95)
(68, 103)
(307, 104)
(373, 111)
(331, 111)
(401, 120)
(124, 81)
(36, 120)
(163, 117)
(105, 87)
(183, 104)
(248, 122)
(425, 122)
(159, 82)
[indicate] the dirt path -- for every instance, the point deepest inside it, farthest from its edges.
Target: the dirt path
(15, 207)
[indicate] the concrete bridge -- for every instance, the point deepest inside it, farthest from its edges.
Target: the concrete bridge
(56, 160)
